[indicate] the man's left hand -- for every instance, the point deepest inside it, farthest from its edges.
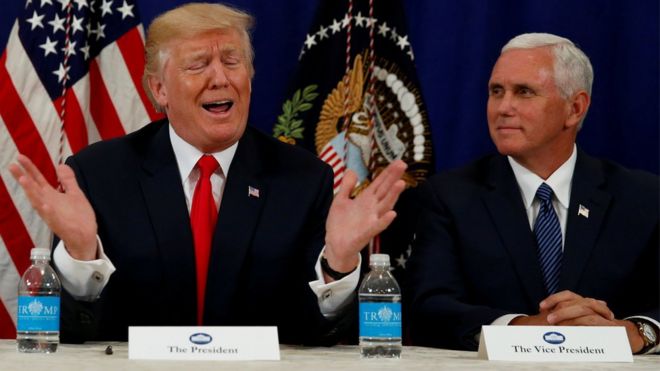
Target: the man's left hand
(352, 222)
(570, 309)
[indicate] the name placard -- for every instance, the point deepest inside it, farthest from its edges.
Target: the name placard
(554, 344)
(203, 343)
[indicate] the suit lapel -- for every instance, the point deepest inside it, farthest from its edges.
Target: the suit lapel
(506, 208)
(582, 228)
(238, 216)
(165, 201)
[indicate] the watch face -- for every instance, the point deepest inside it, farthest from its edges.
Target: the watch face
(649, 333)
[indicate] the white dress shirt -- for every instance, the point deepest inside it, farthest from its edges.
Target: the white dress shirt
(85, 280)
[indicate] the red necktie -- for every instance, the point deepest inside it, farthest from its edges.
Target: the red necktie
(203, 216)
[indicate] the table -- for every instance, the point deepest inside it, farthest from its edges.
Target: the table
(91, 356)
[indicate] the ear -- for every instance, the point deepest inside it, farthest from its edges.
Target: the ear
(158, 90)
(579, 104)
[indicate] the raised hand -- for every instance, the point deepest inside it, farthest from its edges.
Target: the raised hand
(352, 223)
(67, 213)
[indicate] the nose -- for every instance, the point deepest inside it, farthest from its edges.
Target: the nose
(218, 78)
(505, 104)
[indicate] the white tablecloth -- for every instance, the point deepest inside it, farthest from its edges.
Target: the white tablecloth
(92, 356)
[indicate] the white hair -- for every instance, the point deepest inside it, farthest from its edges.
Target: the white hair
(572, 68)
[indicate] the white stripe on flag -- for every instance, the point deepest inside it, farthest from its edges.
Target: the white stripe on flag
(82, 91)
(35, 226)
(34, 95)
(123, 93)
(9, 279)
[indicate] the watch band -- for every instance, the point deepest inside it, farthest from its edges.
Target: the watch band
(331, 272)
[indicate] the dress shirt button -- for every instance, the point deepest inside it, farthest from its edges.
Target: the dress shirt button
(327, 294)
(98, 277)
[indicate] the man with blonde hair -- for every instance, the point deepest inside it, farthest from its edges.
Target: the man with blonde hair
(199, 219)
(542, 234)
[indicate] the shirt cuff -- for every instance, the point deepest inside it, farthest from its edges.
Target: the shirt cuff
(506, 319)
(84, 280)
(500, 321)
(333, 297)
(655, 349)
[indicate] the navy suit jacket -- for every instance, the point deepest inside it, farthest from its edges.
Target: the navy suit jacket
(474, 257)
(263, 251)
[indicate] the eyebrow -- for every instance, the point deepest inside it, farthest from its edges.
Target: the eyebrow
(515, 86)
(522, 86)
(196, 54)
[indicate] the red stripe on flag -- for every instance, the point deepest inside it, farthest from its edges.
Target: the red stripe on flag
(20, 126)
(132, 49)
(13, 232)
(74, 121)
(7, 329)
(329, 157)
(334, 162)
(101, 106)
(324, 153)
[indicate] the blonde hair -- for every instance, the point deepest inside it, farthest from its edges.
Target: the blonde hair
(187, 21)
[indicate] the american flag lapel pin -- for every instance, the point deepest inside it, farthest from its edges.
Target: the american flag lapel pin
(583, 211)
(253, 192)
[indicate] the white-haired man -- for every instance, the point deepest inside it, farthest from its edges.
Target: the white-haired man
(542, 234)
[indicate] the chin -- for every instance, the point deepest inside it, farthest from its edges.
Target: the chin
(507, 149)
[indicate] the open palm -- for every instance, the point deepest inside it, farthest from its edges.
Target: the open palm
(352, 222)
(67, 213)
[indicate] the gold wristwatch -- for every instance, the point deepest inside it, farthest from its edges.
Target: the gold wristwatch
(648, 333)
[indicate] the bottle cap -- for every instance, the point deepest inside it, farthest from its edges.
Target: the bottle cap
(40, 253)
(379, 259)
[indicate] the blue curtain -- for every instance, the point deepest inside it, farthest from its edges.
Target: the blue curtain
(456, 43)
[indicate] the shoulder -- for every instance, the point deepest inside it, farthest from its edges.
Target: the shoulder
(633, 195)
(277, 155)
(621, 180)
(131, 145)
(475, 176)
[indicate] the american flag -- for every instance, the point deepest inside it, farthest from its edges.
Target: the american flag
(253, 192)
(69, 76)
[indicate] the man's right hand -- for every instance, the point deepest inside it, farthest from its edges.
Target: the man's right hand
(564, 306)
(67, 213)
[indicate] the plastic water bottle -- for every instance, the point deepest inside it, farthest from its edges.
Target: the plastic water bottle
(38, 327)
(380, 311)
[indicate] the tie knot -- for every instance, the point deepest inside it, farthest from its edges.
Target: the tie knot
(544, 193)
(207, 164)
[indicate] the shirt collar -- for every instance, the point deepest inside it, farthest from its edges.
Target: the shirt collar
(559, 181)
(187, 155)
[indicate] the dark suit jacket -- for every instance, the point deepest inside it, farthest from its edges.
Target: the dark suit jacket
(475, 258)
(263, 252)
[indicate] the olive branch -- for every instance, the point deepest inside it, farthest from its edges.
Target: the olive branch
(289, 126)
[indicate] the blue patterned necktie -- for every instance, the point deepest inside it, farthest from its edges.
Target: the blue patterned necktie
(548, 237)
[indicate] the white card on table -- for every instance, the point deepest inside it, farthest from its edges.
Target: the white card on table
(203, 343)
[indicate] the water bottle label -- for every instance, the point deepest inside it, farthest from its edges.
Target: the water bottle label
(380, 320)
(38, 313)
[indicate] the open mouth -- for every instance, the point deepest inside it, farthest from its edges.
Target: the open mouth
(220, 106)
